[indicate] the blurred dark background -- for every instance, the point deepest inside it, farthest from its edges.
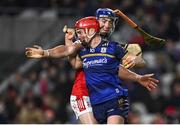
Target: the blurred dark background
(38, 91)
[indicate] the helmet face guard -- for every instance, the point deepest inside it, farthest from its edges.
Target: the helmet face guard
(107, 13)
(90, 25)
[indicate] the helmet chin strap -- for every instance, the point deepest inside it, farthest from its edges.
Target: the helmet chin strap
(90, 36)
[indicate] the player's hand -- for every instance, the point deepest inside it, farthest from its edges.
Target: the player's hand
(70, 32)
(34, 52)
(147, 81)
(130, 61)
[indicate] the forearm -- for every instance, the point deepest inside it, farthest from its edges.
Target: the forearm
(61, 51)
(75, 61)
(56, 52)
(72, 60)
(144, 80)
(126, 74)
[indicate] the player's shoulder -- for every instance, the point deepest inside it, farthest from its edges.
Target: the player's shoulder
(114, 42)
(119, 44)
(127, 46)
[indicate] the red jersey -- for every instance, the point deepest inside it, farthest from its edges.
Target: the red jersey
(79, 87)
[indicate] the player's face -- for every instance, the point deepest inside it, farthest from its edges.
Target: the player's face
(81, 35)
(105, 24)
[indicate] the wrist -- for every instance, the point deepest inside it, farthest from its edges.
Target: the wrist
(83, 43)
(138, 78)
(46, 53)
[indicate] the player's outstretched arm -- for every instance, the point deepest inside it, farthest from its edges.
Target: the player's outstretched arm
(64, 50)
(56, 52)
(145, 80)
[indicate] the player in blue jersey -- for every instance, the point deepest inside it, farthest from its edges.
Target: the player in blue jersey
(101, 63)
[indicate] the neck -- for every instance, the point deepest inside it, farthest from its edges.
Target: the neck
(95, 41)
